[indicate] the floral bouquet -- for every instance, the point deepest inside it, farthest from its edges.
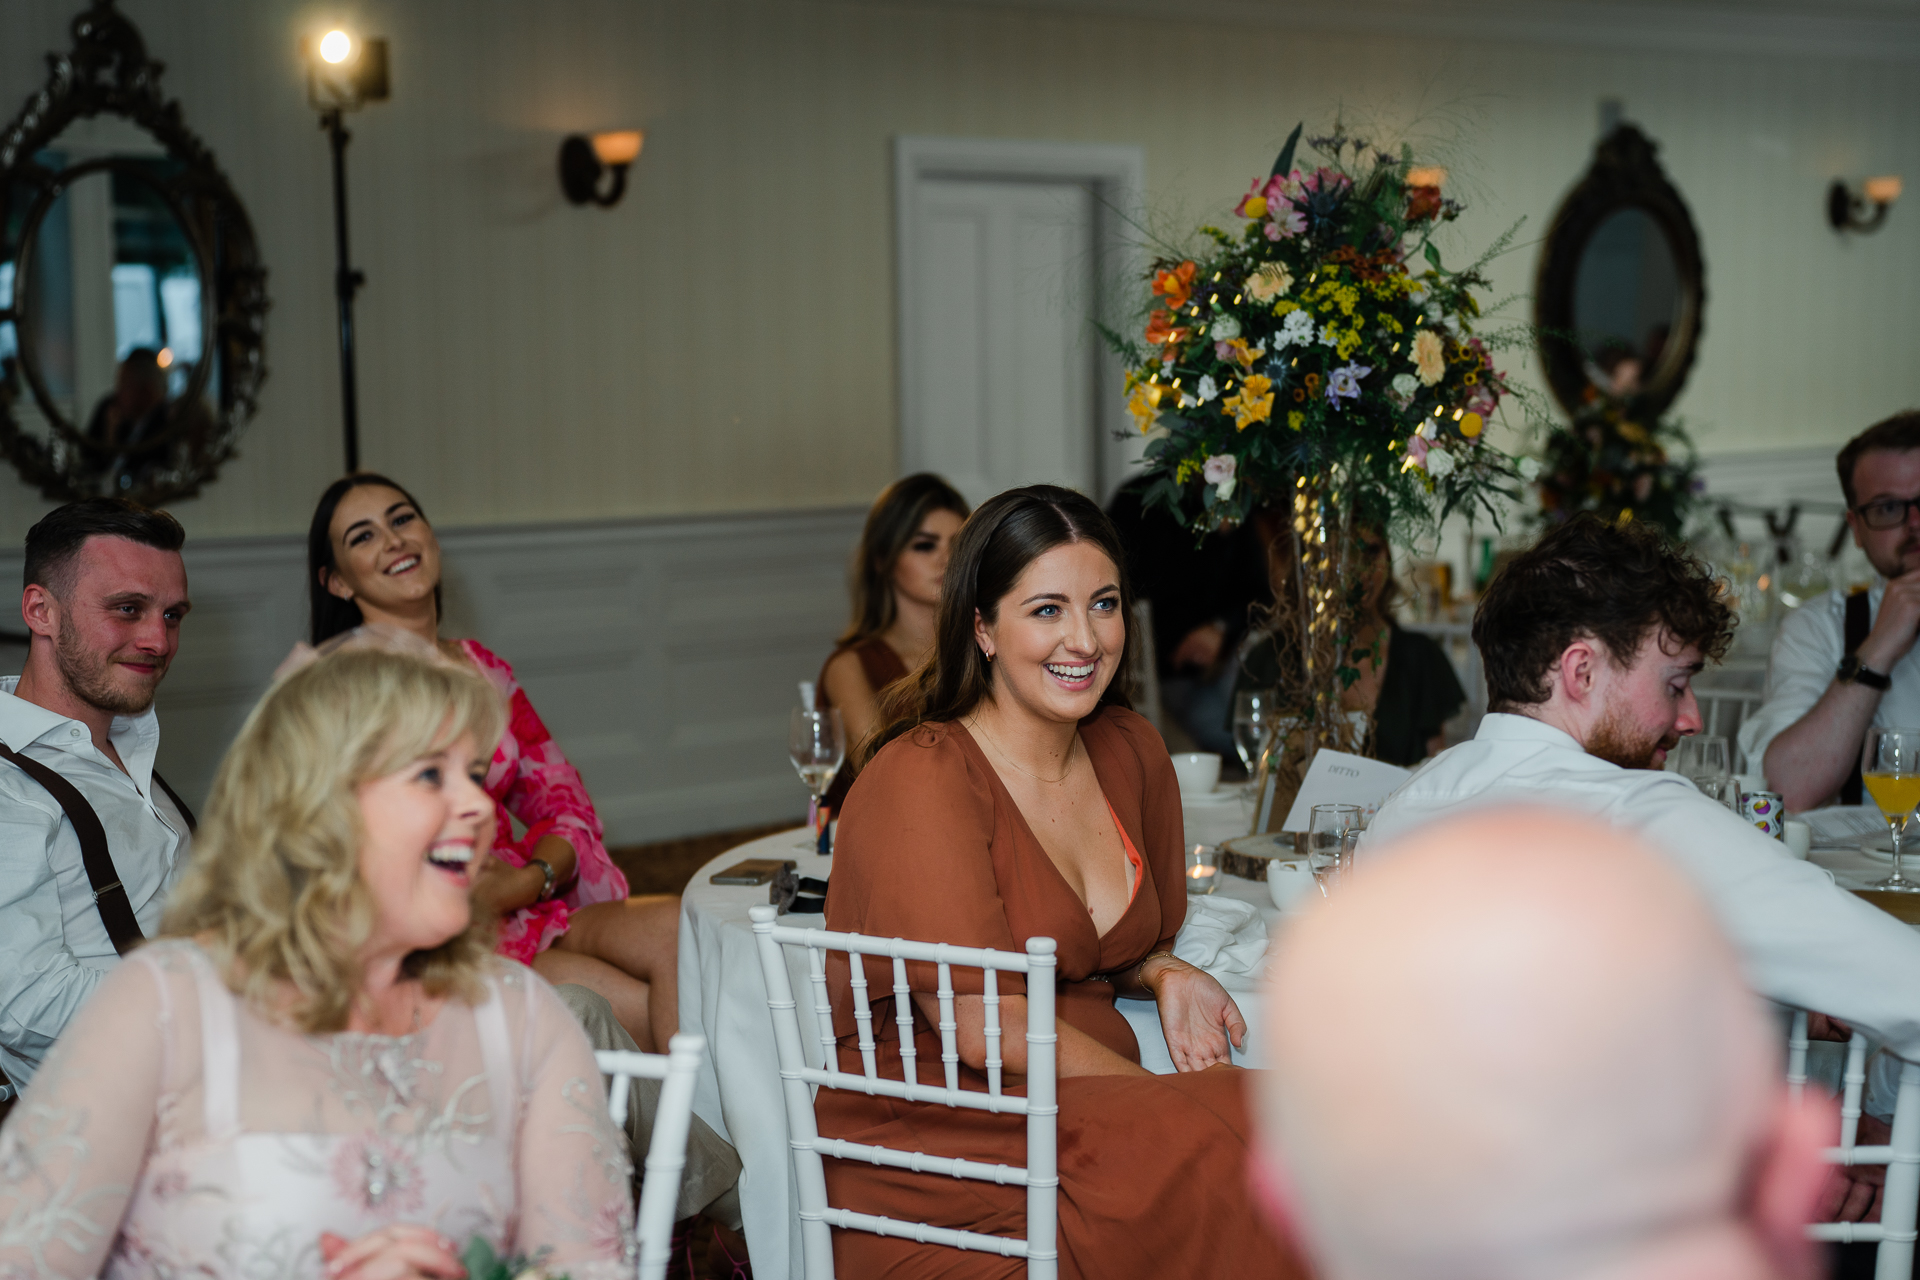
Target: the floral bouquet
(1317, 367)
(1619, 465)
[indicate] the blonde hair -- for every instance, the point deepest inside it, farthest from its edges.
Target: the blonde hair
(274, 888)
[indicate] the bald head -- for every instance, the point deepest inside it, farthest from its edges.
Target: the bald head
(1516, 1046)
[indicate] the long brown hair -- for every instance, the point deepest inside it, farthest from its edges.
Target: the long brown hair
(329, 615)
(891, 524)
(998, 542)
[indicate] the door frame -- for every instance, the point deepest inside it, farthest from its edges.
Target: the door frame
(1117, 175)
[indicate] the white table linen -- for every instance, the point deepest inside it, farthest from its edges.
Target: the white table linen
(724, 998)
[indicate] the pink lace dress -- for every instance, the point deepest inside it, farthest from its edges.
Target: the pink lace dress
(174, 1132)
(532, 780)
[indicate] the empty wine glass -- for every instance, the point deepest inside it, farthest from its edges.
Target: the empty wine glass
(817, 743)
(1332, 832)
(1253, 716)
(1892, 777)
(1702, 756)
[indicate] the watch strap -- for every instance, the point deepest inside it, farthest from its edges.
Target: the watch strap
(546, 869)
(1853, 672)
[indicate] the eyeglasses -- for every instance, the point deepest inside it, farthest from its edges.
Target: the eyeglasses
(1886, 513)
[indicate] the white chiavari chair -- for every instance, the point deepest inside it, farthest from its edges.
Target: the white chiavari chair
(1722, 712)
(666, 1155)
(1040, 1176)
(1900, 1199)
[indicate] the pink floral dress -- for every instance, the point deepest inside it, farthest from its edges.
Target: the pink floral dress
(531, 779)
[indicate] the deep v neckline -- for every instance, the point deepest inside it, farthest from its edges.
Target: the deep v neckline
(1002, 794)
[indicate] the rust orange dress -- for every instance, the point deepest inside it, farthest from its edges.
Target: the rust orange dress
(1153, 1177)
(881, 666)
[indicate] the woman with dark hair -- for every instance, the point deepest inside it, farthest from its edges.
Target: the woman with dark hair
(1014, 796)
(563, 907)
(896, 588)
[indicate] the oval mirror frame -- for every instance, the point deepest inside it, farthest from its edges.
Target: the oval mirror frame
(108, 73)
(1624, 175)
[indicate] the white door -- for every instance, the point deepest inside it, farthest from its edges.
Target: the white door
(998, 359)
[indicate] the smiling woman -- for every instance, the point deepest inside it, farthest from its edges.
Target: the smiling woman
(561, 905)
(1016, 796)
(320, 1057)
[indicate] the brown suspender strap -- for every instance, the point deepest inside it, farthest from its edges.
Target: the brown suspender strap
(109, 895)
(1852, 791)
(178, 803)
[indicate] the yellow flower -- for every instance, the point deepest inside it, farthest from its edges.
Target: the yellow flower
(1296, 420)
(1254, 207)
(1429, 356)
(1472, 425)
(1144, 404)
(1269, 282)
(1252, 403)
(1241, 354)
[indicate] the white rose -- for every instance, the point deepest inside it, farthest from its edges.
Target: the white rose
(1529, 469)
(1439, 463)
(1207, 389)
(1225, 329)
(1404, 383)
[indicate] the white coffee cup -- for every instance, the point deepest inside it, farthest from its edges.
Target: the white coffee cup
(1799, 838)
(1198, 771)
(1288, 882)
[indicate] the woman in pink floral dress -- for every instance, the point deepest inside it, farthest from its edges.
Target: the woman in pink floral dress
(563, 906)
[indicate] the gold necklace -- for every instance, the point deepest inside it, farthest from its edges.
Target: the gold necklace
(978, 728)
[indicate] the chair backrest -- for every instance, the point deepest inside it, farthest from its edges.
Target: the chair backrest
(667, 1149)
(1723, 711)
(1040, 1176)
(1900, 1198)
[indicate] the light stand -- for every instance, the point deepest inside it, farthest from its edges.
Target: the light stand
(344, 74)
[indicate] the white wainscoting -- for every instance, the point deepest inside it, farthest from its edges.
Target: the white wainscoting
(662, 654)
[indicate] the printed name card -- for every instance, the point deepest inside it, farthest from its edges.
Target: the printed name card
(1335, 777)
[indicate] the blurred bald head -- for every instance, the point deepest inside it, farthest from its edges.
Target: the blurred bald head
(1516, 1046)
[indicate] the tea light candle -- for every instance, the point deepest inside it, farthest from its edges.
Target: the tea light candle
(1202, 874)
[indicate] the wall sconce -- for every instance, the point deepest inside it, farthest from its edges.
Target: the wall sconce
(1866, 211)
(582, 161)
(1427, 175)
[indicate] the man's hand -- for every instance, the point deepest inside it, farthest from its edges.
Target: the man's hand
(1196, 1014)
(1822, 1027)
(1853, 1193)
(1200, 647)
(401, 1251)
(1896, 626)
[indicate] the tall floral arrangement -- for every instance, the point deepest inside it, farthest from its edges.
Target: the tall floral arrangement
(1619, 464)
(1318, 365)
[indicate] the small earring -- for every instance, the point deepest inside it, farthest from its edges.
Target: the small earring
(989, 654)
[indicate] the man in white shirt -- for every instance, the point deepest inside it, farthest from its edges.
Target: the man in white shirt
(1590, 640)
(105, 590)
(1845, 663)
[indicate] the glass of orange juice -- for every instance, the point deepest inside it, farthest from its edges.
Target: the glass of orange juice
(1892, 777)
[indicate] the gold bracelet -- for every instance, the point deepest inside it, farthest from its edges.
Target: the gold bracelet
(1141, 968)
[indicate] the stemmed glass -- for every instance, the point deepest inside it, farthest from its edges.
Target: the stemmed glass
(1702, 757)
(1253, 715)
(817, 743)
(1332, 832)
(1892, 776)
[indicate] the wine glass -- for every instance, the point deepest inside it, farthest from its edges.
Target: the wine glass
(817, 743)
(1702, 756)
(1892, 777)
(1253, 715)
(1332, 831)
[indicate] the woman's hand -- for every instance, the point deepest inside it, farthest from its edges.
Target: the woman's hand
(500, 887)
(1196, 1013)
(398, 1252)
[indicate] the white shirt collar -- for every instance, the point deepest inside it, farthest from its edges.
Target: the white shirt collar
(1503, 726)
(136, 738)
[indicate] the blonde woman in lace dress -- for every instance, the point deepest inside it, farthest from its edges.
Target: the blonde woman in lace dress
(322, 1070)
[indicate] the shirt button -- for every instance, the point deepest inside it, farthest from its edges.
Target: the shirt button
(73, 733)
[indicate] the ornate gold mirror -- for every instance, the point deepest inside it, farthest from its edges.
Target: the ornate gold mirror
(132, 299)
(1621, 288)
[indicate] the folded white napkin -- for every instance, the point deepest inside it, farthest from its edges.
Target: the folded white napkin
(1224, 936)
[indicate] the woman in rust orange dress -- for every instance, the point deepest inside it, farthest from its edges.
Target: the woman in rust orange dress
(1018, 796)
(896, 588)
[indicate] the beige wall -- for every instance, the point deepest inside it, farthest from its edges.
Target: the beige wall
(722, 341)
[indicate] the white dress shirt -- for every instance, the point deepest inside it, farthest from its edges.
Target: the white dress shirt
(1810, 643)
(53, 947)
(1803, 942)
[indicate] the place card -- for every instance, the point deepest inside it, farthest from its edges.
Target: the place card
(1336, 777)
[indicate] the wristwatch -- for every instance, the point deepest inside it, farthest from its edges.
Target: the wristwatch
(546, 869)
(1851, 672)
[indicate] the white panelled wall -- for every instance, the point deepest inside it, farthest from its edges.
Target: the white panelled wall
(663, 655)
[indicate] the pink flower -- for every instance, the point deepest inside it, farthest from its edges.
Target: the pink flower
(1219, 468)
(1417, 450)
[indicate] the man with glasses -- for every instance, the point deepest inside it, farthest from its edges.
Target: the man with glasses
(1845, 663)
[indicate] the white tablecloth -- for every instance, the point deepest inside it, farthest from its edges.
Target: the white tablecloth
(724, 998)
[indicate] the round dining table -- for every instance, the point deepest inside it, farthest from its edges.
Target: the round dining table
(723, 996)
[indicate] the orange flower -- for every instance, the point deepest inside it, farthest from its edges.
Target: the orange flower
(1176, 286)
(1161, 331)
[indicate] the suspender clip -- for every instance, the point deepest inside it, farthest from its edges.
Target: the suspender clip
(107, 889)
